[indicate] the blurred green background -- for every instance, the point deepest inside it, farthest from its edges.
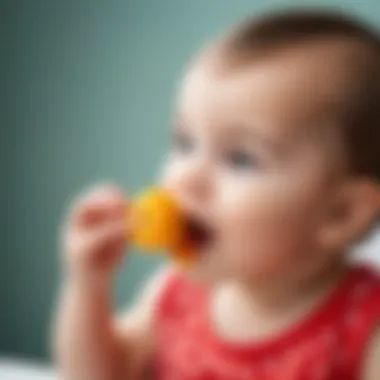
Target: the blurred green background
(87, 96)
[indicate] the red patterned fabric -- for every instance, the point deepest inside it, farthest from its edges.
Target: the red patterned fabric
(328, 345)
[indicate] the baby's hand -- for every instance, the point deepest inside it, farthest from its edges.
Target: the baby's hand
(95, 233)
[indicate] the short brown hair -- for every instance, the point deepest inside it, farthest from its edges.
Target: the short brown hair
(284, 29)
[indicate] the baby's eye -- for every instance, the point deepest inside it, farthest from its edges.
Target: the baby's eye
(241, 160)
(183, 143)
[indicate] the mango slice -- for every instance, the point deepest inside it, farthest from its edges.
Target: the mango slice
(159, 224)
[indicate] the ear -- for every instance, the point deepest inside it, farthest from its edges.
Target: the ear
(353, 210)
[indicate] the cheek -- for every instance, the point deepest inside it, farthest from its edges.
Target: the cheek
(270, 216)
(263, 202)
(271, 199)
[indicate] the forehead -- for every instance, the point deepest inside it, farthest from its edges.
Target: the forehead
(285, 93)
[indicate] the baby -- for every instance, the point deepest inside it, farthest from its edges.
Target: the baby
(275, 157)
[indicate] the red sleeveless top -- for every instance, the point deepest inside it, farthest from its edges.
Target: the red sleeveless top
(329, 344)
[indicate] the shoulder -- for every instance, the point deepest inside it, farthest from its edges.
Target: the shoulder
(142, 309)
(156, 284)
(134, 327)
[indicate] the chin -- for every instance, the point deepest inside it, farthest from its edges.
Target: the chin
(206, 271)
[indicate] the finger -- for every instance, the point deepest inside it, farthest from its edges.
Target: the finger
(100, 212)
(101, 204)
(96, 194)
(108, 234)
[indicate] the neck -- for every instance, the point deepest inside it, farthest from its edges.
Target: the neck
(287, 294)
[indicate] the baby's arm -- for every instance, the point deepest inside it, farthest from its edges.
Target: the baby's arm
(89, 343)
(135, 327)
(372, 359)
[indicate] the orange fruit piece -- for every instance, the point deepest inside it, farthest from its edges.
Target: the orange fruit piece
(159, 224)
(158, 221)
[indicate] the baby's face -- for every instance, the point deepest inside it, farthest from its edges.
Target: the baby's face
(255, 159)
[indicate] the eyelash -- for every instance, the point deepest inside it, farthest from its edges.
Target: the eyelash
(241, 160)
(237, 159)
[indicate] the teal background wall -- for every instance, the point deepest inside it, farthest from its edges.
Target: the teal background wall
(87, 92)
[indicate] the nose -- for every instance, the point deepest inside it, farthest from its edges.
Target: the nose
(193, 184)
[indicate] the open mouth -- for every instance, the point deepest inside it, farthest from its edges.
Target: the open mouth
(198, 234)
